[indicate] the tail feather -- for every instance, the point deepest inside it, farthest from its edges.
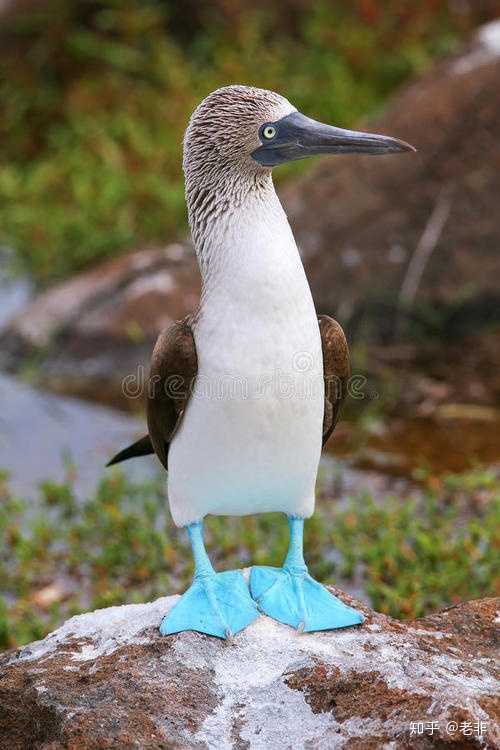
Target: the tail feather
(142, 447)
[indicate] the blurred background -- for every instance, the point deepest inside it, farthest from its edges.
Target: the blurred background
(95, 260)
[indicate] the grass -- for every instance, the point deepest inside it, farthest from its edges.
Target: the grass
(412, 555)
(96, 96)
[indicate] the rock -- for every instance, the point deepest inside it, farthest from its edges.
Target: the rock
(107, 679)
(88, 333)
(359, 220)
(94, 301)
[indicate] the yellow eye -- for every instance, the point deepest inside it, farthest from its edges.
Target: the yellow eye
(269, 132)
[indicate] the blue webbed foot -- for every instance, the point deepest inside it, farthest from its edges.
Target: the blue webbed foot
(216, 604)
(292, 596)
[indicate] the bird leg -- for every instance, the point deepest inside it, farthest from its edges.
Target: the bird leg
(290, 595)
(216, 603)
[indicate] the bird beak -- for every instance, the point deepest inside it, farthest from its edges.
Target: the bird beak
(298, 137)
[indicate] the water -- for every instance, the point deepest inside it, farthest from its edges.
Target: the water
(14, 291)
(40, 432)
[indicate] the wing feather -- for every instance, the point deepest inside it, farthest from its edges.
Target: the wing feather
(174, 366)
(336, 371)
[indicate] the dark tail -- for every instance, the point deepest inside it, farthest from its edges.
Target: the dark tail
(142, 447)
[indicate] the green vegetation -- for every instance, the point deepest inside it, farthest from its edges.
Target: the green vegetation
(419, 555)
(412, 556)
(95, 97)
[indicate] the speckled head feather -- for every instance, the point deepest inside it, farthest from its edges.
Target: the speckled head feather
(224, 130)
(221, 135)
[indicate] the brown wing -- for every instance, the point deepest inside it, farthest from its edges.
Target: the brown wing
(141, 447)
(336, 371)
(174, 366)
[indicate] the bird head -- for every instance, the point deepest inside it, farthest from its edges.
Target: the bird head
(252, 130)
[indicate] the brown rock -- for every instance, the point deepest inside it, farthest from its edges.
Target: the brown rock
(90, 332)
(107, 679)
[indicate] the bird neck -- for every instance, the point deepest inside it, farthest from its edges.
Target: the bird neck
(245, 247)
(214, 204)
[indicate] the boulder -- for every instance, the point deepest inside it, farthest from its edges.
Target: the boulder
(88, 333)
(107, 679)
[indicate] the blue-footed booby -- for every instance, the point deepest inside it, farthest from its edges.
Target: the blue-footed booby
(244, 392)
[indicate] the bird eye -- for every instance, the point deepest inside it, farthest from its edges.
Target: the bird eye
(269, 131)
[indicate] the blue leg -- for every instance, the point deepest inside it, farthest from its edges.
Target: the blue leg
(216, 603)
(291, 596)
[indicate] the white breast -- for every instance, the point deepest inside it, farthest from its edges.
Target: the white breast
(250, 439)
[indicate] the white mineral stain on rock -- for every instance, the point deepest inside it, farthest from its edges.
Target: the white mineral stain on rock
(161, 281)
(486, 49)
(107, 629)
(489, 36)
(251, 674)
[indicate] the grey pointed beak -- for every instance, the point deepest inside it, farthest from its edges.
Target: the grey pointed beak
(297, 137)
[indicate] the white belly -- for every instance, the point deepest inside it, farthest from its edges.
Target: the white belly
(250, 440)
